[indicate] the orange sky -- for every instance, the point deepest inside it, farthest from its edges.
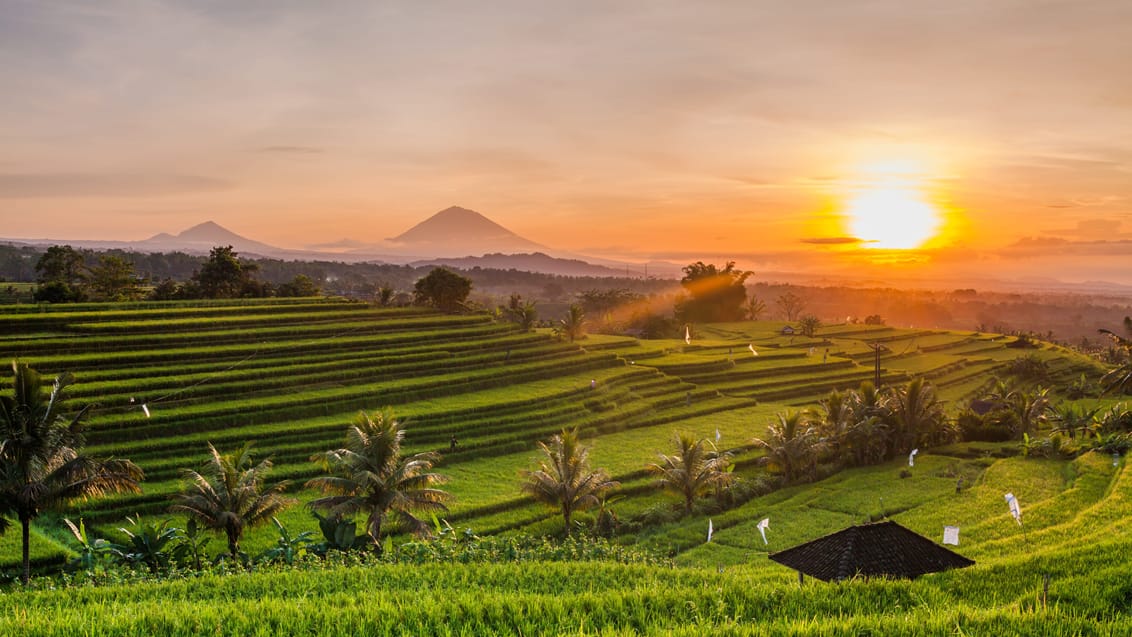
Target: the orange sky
(673, 130)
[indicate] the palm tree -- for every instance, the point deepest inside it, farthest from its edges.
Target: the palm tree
(41, 466)
(696, 469)
(919, 416)
(792, 445)
(573, 327)
(868, 438)
(229, 495)
(837, 418)
(369, 475)
(564, 479)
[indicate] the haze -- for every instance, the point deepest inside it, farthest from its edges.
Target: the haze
(969, 138)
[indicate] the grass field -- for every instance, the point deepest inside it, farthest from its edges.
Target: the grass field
(292, 375)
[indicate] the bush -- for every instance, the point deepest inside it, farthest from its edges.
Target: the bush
(973, 427)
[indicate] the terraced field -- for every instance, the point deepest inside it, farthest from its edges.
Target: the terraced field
(1064, 573)
(290, 374)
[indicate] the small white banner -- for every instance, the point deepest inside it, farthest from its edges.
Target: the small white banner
(951, 535)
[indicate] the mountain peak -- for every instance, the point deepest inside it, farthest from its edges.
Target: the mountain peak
(204, 236)
(209, 231)
(459, 231)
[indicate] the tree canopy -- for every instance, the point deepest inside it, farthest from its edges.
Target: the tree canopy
(225, 276)
(714, 294)
(443, 289)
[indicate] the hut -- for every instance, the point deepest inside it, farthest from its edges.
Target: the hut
(883, 549)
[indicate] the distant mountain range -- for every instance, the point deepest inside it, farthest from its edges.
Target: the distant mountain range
(455, 236)
(203, 237)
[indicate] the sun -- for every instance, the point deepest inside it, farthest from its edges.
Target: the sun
(887, 207)
(892, 218)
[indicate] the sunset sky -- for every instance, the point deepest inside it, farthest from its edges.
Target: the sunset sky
(973, 135)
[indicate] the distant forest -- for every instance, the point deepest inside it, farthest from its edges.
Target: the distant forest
(1064, 317)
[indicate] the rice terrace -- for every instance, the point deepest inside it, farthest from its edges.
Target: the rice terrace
(481, 402)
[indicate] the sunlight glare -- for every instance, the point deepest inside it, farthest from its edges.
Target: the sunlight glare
(894, 218)
(888, 208)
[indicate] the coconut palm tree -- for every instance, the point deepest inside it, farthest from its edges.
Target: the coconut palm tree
(564, 480)
(229, 495)
(573, 327)
(792, 445)
(918, 416)
(867, 439)
(837, 419)
(369, 475)
(41, 464)
(694, 470)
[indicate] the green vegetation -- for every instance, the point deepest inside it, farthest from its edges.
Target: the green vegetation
(480, 399)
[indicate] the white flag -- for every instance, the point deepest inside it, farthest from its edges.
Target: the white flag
(687, 335)
(752, 348)
(710, 529)
(717, 435)
(1015, 510)
(763, 524)
(912, 456)
(951, 535)
(145, 408)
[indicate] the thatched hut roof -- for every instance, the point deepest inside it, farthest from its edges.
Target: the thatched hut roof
(883, 549)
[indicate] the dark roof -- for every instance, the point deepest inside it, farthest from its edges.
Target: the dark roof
(883, 549)
(983, 407)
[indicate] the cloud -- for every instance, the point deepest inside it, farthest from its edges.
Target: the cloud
(834, 241)
(290, 150)
(1052, 247)
(19, 186)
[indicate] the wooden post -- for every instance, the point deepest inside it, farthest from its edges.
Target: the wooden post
(1045, 589)
(801, 578)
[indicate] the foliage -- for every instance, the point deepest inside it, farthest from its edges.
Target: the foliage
(189, 545)
(792, 445)
(338, 534)
(715, 294)
(91, 552)
(564, 479)
(147, 543)
(695, 470)
(1074, 420)
(524, 313)
(287, 548)
(604, 303)
(300, 286)
(755, 308)
(809, 325)
(114, 279)
(1029, 367)
(1119, 379)
(41, 461)
(225, 276)
(791, 305)
(573, 326)
(918, 417)
(371, 475)
(61, 275)
(229, 495)
(443, 289)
